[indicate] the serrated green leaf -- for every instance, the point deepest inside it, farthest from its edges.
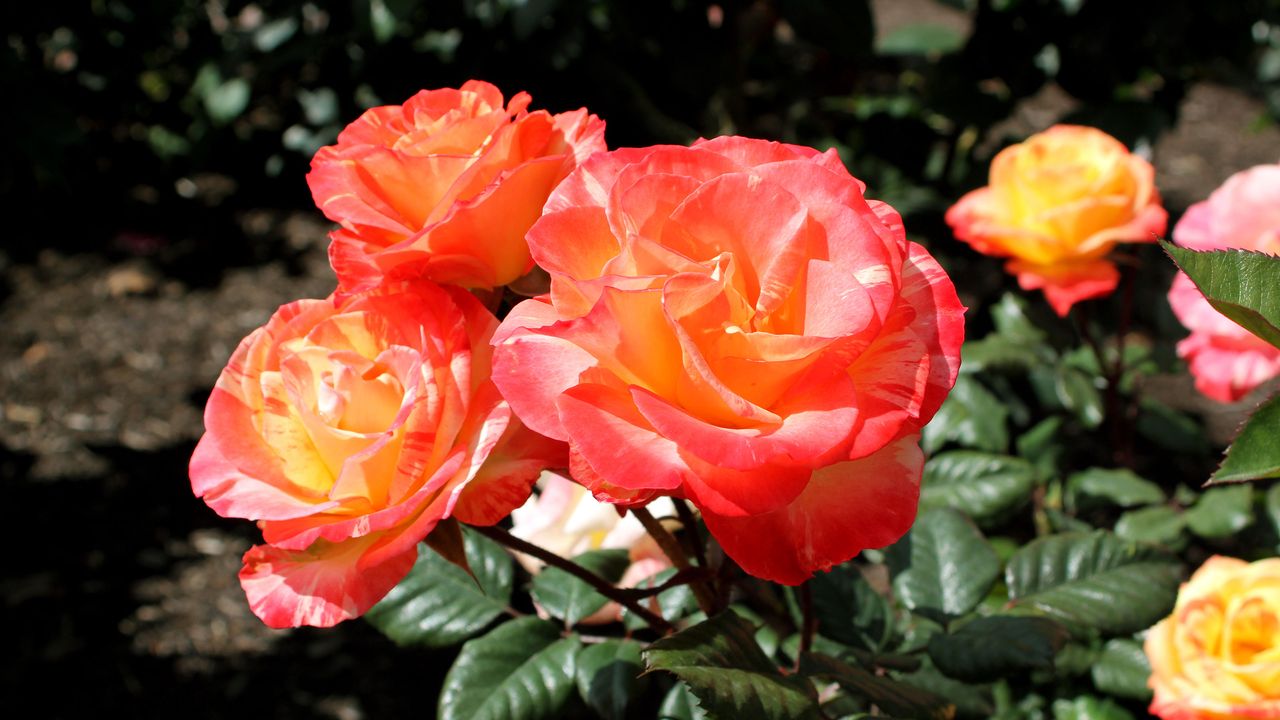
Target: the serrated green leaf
(680, 704)
(570, 599)
(520, 670)
(438, 604)
(608, 675)
(1087, 707)
(1117, 486)
(848, 609)
(893, 697)
(1159, 525)
(1237, 283)
(984, 486)
(971, 416)
(996, 646)
(1078, 394)
(1122, 670)
(1221, 511)
(1093, 582)
(943, 565)
(1255, 453)
(731, 677)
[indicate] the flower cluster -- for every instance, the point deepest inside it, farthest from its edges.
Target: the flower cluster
(733, 324)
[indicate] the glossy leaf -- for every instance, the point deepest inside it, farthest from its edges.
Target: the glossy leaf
(680, 704)
(608, 675)
(1089, 708)
(1079, 394)
(438, 604)
(984, 486)
(971, 416)
(1221, 511)
(1255, 453)
(996, 646)
(570, 599)
(1093, 582)
(1118, 486)
(1122, 670)
(731, 677)
(1160, 525)
(921, 39)
(521, 670)
(943, 565)
(1237, 283)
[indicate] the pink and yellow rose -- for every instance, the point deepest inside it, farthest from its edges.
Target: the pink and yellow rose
(1056, 204)
(1218, 656)
(1227, 360)
(734, 323)
(348, 429)
(445, 186)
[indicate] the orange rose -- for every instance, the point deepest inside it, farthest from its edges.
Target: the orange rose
(349, 430)
(1056, 205)
(1218, 656)
(445, 186)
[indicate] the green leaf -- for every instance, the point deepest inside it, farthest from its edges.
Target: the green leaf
(894, 698)
(1086, 707)
(438, 604)
(571, 599)
(680, 704)
(1255, 453)
(1122, 670)
(848, 609)
(521, 670)
(997, 646)
(1221, 511)
(984, 486)
(1273, 508)
(1093, 582)
(731, 677)
(943, 565)
(1077, 392)
(921, 39)
(1169, 429)
(1012, 318)
(997, 352)
(608, 676)
(1042, 446)
(1237, 283)
(971, 416)
(272, 35)
(971, 701)
(676, 602)
(1118, 487)
(227, 100)
(1159, 525)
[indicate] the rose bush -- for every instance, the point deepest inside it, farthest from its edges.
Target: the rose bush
(1056, 204)
(565, 519)
(736, 324)
(1218, 656)
(445, 186)
(349, 430)
(1227, 360)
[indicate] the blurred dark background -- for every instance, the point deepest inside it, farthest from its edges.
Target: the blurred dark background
(152, 175)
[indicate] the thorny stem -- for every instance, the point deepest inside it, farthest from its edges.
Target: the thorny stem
(671, 547)
(602, 586)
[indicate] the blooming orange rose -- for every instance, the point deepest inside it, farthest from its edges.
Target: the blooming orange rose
(735, 324)
(1218, 656)
(445, 186)
(348, 430)
(1227, 360)
(1056, 205)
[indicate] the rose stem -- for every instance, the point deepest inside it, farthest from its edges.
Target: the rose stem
(671, 547)
(809, 625)
(602, 586)
(691, 526)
